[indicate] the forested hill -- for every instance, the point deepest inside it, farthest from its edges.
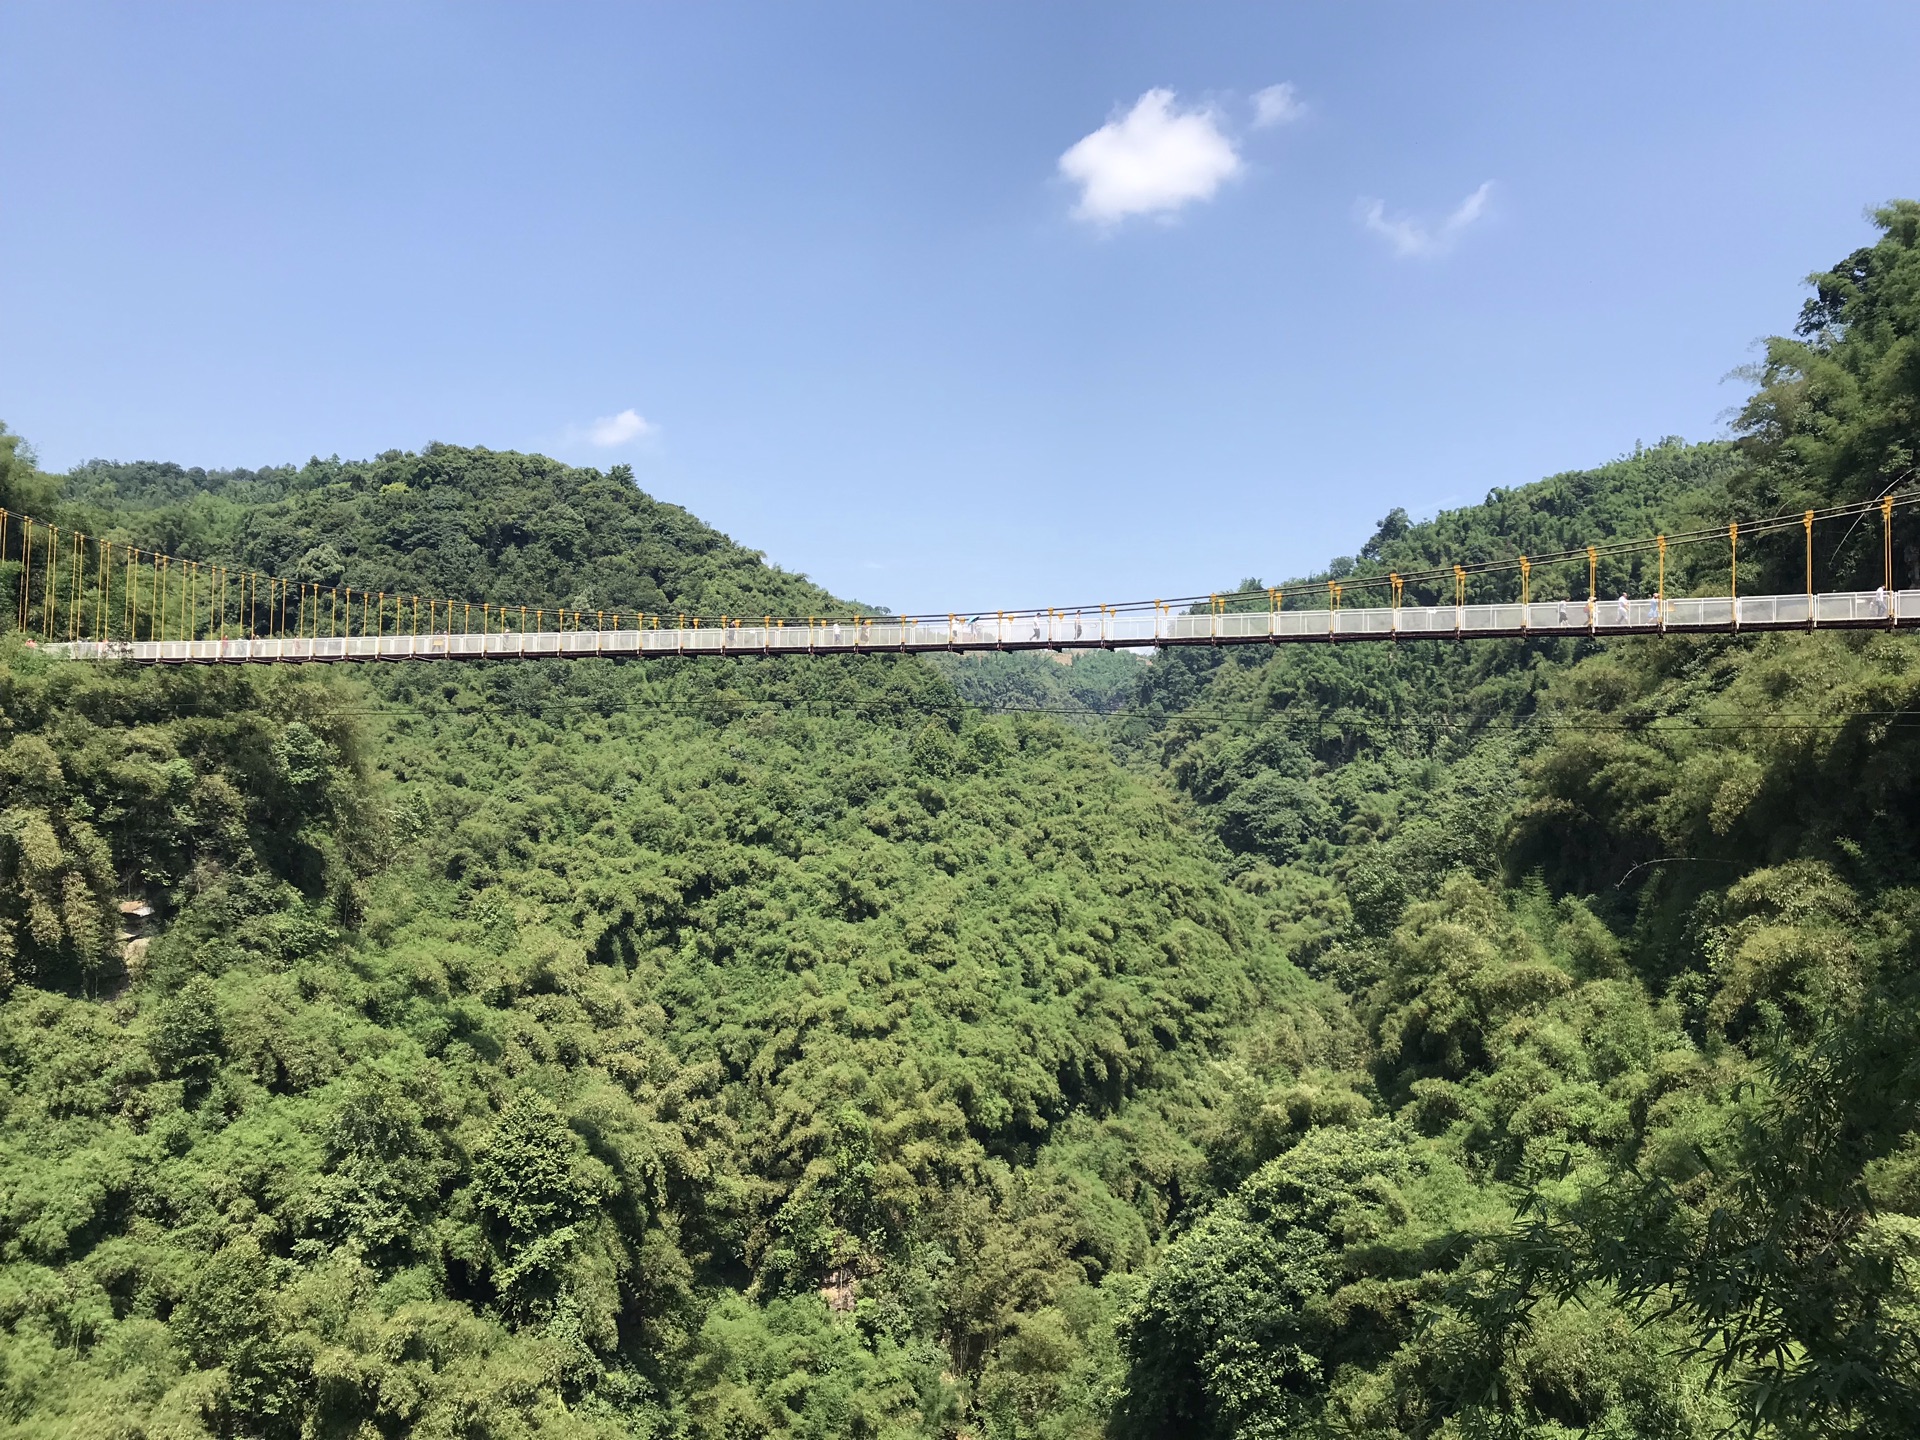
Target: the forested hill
(467, 524)
(1420, 1040)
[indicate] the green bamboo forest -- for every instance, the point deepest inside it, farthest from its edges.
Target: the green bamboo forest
(1514, 1038)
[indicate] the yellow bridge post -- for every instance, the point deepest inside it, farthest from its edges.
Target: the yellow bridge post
(1812, 617)
(47, 581)
(1733, 544)
(1661, 592)
(26, 570)
(1886, 538)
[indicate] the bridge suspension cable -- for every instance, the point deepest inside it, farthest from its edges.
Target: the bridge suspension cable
(71, 587)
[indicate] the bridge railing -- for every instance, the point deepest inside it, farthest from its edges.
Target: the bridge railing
(1066, 631)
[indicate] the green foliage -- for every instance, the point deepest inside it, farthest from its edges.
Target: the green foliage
(764, 1047)
(1632, 935)
(1433, 1041)
(1250, 1313)
(160, 786)
(1835, 413)
(1079, 684)
(23, 488)
(792, 1369)
(455, 523)
(386, 1167)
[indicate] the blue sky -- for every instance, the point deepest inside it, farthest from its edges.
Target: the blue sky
(949, 307)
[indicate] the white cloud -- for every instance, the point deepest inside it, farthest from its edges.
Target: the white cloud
(1412, 237)
(1150, 161)
(1277, 105)
(611, 430)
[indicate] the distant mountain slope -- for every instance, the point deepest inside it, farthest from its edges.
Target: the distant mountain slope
(1668, 487)
(1083, 684)
(1302, 752)
(462, 523)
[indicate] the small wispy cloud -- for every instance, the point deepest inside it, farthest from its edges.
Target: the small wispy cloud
(1153, 160)
(1410, 237)
(611, 430)
(1277, 105)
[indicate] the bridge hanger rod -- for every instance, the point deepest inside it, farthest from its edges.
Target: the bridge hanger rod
(1606, 549)
(279, 592)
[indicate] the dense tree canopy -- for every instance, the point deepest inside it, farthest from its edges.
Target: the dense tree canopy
(1366, 1041)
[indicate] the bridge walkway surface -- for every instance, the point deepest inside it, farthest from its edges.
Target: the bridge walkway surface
(1060, 631)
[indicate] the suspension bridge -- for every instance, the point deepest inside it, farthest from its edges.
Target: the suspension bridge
(85, 598)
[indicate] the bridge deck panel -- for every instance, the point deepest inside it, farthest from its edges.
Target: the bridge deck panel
(1688, 615)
